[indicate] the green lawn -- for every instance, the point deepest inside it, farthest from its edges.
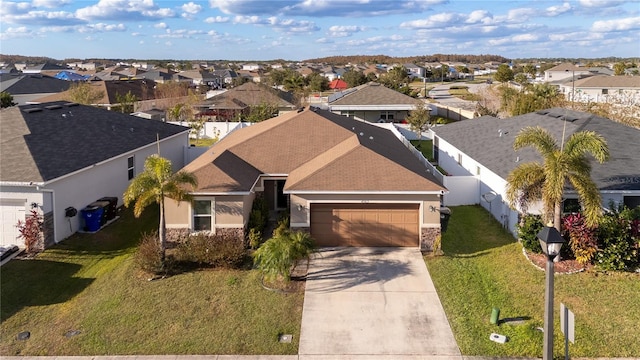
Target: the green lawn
(202, 142)
(425, 147)
(463, 93)
(483, 267)
(89, 283)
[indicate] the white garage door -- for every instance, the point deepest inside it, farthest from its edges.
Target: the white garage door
(10, 212)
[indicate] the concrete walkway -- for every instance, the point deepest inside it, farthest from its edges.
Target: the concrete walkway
(365, 302)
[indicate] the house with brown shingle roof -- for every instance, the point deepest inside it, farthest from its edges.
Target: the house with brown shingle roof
(603, 88)
(347, 182)
(239, 100)
(373, 102)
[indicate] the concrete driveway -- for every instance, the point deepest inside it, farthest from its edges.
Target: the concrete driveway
(373, 301)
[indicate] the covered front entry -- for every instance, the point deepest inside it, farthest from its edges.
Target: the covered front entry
(365, 224)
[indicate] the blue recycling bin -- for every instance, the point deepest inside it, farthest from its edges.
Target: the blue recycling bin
(92, 216)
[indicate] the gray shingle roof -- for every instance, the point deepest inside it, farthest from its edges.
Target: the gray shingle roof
(18, 84)
(480, 139)
(61, 137)
(372, 94)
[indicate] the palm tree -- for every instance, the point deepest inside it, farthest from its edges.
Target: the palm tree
(562, 165)
(156, 182)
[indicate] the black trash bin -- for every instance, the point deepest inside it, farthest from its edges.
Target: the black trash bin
(445, 214)
(112, 210)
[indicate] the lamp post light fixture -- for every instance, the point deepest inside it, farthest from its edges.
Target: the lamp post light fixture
(551, 242)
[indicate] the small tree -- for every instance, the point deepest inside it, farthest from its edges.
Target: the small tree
(84, 93)
(418, 120)
(504, 73)
(6, 100)
(31, 231)
(126, 102)
(156, 182)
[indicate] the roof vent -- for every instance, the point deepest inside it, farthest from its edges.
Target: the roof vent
(53, 107)
(71, 104)
(542, 112)
(31, 110)
(554, 115)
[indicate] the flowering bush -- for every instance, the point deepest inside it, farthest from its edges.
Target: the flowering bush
(31, 231)
(582, 238)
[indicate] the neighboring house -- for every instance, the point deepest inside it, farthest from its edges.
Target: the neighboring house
(347, 182)
(45, 69)
(372, 102)
(201, 77)
(483, 149)
(564, 71)
(29, 87)
(225, 106)
(64, 155)
(151, 114)
(112, 92)
(414, 70)
(224, 76)
(604, 88)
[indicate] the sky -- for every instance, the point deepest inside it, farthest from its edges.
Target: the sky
(305, 29)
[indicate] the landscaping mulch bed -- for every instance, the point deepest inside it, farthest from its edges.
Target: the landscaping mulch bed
(565, 266)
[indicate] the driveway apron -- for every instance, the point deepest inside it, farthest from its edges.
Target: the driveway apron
(373, 301)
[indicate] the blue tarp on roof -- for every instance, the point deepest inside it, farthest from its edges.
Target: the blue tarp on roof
(70, 76)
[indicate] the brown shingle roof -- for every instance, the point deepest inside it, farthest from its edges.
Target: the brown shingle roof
(250, 94)
(319, 151)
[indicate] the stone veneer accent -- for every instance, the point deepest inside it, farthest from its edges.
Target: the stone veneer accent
(47, 231)
(174, 236)
(427, 237)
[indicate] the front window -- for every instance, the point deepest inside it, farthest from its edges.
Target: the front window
(605, 91)
(202, 215)
(386, 116)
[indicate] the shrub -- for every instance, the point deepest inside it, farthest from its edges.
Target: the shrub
(582, 238)
(528, 229)
(618, 241)
(277, 257)
(31, 232)
(148, 257)
(219, 250)
(259, 214)
(255, 238)
(283, 225)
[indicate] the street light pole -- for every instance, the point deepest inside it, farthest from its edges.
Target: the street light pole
(551, 242)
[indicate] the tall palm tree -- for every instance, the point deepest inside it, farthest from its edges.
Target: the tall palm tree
(156, 182)
(562, 165)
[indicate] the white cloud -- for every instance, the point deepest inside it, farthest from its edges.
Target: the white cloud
(600, 3)
(124, 10)
(616, 25)
(434, 21)
(50, 3)
(558, 10)
(216, 19)
(160, 25)
(191, 8)
(345, 30)
(16, 33)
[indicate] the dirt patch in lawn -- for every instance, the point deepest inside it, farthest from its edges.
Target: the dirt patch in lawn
(565, 266)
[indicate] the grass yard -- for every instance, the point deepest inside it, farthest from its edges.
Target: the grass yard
(463, 93)
(483, 267)
(425, 147)
(90, 284)
(202, 142)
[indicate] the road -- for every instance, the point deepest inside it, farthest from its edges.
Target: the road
(441, 95)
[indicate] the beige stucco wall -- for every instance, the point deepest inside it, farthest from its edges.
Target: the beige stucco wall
(177, 213)
(229, 210)
(301, 217)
